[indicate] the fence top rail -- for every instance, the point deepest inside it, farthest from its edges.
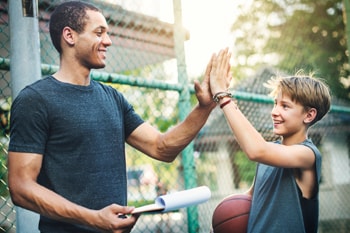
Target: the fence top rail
(47, 69)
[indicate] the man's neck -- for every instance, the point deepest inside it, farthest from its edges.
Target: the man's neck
(79, 76)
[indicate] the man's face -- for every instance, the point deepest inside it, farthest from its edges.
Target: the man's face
(92, 43)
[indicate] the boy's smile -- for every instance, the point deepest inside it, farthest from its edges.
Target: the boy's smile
(288, 118)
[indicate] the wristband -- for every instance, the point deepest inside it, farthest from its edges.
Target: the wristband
(220, 95)
(225, 103)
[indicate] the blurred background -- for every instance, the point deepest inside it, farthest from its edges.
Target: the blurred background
(159, 48)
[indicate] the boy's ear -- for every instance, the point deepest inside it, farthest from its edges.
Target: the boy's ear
(310, 115)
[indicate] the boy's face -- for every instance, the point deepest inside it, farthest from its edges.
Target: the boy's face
(288, 117)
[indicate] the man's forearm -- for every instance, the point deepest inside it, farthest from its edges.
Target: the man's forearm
(176, 139)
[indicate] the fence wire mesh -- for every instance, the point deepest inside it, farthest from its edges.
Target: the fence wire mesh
(143, 51)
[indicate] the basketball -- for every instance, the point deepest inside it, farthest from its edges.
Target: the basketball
(231, 214)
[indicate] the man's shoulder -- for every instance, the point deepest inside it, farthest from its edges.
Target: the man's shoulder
(107, 89)
(40, 83)
(36, 87)
(44, 80)
(103, 85)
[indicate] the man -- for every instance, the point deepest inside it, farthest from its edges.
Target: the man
(66, 153)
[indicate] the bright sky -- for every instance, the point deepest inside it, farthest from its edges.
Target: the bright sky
(208, 22)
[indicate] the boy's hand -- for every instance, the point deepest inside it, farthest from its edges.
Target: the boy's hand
(220, 75)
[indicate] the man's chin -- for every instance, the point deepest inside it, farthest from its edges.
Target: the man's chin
(100, 66)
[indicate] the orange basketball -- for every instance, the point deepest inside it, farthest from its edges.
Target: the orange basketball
(232, 213)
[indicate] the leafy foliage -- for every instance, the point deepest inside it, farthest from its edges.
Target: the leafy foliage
(3, 169)
(245, 168)
(293, 35)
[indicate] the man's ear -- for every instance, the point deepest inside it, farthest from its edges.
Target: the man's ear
(310, 115)
(68, 36)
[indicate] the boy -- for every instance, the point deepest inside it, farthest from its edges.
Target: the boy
(286, 185)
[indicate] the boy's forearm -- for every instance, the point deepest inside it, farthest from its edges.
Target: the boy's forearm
(244, 131)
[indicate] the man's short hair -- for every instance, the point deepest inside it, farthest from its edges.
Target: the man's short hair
(69, 14)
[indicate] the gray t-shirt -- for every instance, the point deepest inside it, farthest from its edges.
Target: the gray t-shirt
(278, 205)
(81, 132)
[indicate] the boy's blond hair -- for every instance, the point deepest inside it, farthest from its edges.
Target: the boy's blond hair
(305, 90)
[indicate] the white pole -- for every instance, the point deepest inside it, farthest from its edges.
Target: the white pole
(25, 69)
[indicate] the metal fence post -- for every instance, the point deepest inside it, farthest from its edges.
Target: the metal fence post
(25, 69)
(346, 17)
(188, 163)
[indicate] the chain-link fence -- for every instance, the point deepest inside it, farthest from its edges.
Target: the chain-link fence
(142, 64)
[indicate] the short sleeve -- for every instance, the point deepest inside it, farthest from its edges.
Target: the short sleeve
(28, 123)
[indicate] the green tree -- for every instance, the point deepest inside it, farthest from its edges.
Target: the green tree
(293, 35)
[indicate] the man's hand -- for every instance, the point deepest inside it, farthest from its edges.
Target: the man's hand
(203, 92)
(114, 218)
